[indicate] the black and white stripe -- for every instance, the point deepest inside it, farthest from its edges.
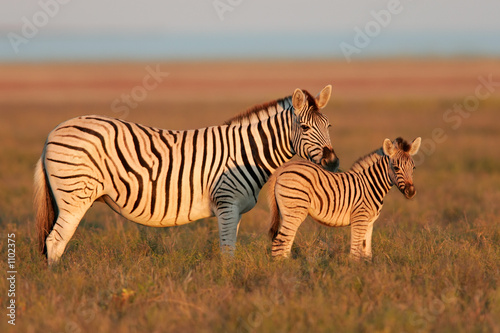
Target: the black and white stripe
(298, 189)
(162, 177)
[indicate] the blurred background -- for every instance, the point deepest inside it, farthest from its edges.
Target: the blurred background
(69, 30)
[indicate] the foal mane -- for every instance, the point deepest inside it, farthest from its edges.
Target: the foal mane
(371, 158)
(368, 160)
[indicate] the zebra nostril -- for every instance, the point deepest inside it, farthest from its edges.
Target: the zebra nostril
(335, 164)
(329, 161)
(410, 191)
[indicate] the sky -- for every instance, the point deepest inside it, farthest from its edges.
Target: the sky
(476, 21)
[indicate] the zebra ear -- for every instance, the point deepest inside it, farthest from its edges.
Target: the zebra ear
(324, 96)
(298, 100)
(388, 148)
(415, 145)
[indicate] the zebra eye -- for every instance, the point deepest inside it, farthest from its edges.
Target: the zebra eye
(396, 168)
(305, 128)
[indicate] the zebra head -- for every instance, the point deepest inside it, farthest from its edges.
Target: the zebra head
(401, 163)
(310, 136)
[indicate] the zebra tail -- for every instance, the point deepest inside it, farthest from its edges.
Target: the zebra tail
(44, 209)
(275, 214)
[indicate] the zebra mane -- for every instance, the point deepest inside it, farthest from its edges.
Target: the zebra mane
(403, 144)
(264, 111)
(260, 112)
(368, 160)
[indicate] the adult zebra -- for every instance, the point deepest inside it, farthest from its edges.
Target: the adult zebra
(164, 178)
(351, 198)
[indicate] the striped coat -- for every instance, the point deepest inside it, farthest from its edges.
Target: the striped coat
(164, 178)
(298, 189)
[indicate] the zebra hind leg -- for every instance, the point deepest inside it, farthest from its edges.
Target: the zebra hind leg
(293, 207)
(282, 243)
(64, 228)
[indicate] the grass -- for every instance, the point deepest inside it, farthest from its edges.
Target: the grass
(435, 265)
(137, 279)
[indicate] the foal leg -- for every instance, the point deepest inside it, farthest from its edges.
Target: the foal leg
(361, 238)
(293, 206)
(292, 219)
(367, 241)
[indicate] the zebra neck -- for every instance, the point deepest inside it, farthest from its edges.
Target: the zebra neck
(273, 146)
(374, 170)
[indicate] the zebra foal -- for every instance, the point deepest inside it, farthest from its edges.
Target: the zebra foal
(353, 198)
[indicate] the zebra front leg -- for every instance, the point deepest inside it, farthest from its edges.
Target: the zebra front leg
(361, 239)
(358, 242)
(228, 219)
(367, 242)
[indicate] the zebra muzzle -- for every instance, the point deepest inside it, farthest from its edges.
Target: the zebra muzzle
(329, 161)
(410, 191)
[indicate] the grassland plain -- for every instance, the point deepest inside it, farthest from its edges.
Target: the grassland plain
(436, 257)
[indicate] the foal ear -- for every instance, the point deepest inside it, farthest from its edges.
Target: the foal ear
(388, 148)
(298, 100)
(324, 96)
(415, 145)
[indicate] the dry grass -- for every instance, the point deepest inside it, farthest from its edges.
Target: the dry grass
(436, 257)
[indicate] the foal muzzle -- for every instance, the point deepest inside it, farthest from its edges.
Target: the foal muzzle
(409, 191)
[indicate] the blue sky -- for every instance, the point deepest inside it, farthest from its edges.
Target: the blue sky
(469, 24)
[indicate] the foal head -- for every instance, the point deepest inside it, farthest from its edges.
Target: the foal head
(401, 163)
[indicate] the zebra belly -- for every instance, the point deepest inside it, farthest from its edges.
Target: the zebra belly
(201, 210)
(335, 220)
(333, 211)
